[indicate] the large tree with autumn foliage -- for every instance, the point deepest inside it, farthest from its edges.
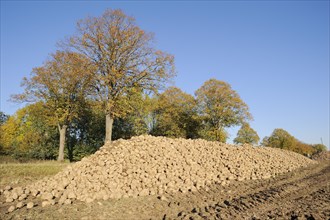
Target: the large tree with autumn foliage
(125, 58)
(61, 84)
(220, 107)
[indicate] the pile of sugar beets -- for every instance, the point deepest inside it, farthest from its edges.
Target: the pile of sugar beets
(147, 165)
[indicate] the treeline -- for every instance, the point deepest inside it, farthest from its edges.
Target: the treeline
(280, 138)
(173, 113)
(30, 132)
(104, 83)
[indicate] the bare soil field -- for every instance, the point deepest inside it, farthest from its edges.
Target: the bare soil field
(303, 193)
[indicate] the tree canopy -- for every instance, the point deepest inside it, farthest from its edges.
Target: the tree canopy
(27, 133)
(61, 84)
(220, 107)
(138, 120)
(280, 138)
(319, 147)
(124, 57)
(246, 135)
(176, 114)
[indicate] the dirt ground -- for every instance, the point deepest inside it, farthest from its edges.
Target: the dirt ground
(302, 194)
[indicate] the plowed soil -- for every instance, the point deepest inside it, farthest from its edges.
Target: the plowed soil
(301, 194)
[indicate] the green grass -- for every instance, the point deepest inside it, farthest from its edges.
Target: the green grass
(14, 173)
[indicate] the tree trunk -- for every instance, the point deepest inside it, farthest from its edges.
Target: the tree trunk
(70, 144)
(108, 127)
(62, 131)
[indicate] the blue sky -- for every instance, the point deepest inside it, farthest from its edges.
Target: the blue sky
(275, 54)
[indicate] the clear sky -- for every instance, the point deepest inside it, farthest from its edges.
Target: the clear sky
(275, 54)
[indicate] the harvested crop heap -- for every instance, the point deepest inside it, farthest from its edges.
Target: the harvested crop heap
(147, 165)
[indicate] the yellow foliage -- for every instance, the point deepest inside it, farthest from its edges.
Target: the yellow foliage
(8, 132)
(124, 59)
(220, 106)
(61, 83)
(280, 138)
(176, 114)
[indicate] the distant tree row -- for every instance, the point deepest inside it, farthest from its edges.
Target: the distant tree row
(280, 138)
(172, 113)
(29, 134)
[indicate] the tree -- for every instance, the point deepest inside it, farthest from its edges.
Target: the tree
(246, 135)
(124, 56)
(27, 134)
(8, 131)
(280, 138)
(210, 133)
(3, 119)
(319, 148)
(61, 85)
(176, 114)
(86, 132)
(220, 107)
(302, 148)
